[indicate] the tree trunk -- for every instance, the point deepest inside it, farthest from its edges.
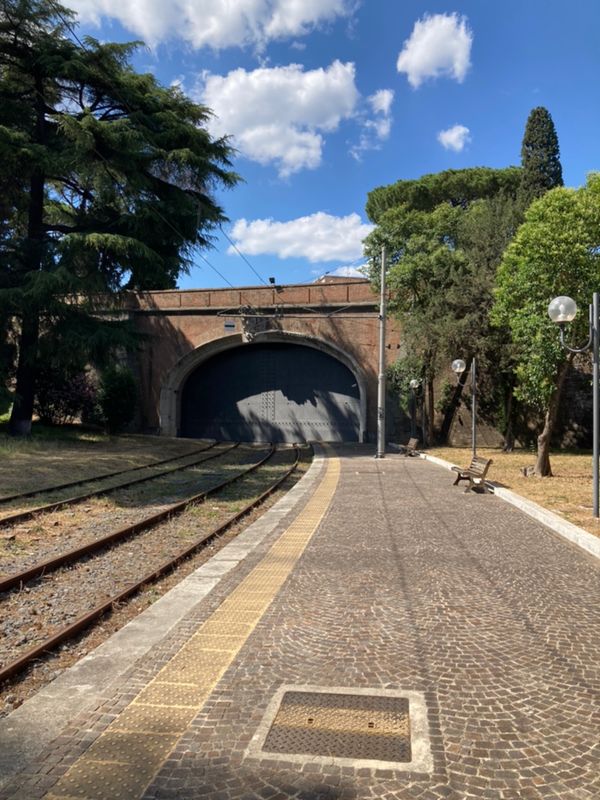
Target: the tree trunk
(542, 465)
(22, 410)
(430, 416)
(454, 403)
(509, 436)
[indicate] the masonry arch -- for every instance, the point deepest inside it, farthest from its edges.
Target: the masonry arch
(281, 386)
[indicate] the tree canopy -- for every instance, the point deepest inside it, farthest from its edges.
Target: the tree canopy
(442, 266)
(555, 252)
(106, 184)
(456, 187)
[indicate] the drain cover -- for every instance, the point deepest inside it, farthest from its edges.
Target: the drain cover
(355, 726)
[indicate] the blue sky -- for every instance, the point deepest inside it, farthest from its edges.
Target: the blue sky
(327, 99)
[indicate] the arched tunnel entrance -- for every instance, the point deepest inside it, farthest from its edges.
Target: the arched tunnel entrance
(272, 391)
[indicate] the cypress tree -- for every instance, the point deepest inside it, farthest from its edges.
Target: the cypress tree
(540, 156)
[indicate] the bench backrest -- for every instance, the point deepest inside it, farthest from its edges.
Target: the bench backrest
(479, 466)
(412, 444)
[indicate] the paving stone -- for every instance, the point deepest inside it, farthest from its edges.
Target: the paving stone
(408, 585)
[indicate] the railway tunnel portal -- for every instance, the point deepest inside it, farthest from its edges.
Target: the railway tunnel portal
(284, 363)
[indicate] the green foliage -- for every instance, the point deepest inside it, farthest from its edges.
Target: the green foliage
(555, 252)
(106, 182)
(399, 376)
(441, 272)
(446, 396)
(62, 397)
(540, 156)
(118, 398)
(456, 187)
(442, 266)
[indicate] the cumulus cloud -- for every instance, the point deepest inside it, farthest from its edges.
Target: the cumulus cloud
(317, 237)
(440, 44)
(341, 272)
(215, 23)
(278, 115)
(454, 138)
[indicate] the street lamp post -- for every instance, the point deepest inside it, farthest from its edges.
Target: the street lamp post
(458, 366)
(562, 310)
(413, 385)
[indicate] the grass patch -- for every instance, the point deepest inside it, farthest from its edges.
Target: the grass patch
(44, 436)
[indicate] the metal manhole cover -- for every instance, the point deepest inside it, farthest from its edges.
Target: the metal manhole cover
(353, 726)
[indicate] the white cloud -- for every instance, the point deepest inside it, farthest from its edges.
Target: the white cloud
(375, 129)
(440, 44)
(381, 101)
(317, 237)
(215, 23)
(278, 115)
(454, 138)
(342, 272)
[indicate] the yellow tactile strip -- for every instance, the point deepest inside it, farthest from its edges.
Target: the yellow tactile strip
(125, 758)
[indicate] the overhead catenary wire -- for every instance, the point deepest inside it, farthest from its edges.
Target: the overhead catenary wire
(153, 209)
(239, 252)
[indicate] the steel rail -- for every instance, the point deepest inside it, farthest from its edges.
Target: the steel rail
(21, 516)
(104, 476)
(50, 565)
(82, 622)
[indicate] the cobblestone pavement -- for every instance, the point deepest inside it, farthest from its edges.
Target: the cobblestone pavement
(408, 584)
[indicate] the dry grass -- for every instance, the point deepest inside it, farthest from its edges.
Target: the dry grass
(37, 463)
(568, 493)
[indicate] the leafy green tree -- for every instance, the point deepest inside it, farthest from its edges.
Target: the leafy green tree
(106, 182)
(443, 258)
(540, 156)
(555, 252)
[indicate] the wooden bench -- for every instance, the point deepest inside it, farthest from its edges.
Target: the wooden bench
(410, 448)
(475, 473)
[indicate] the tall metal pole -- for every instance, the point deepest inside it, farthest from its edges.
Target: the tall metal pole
(596, 398)
(474, 407)
(381, 381)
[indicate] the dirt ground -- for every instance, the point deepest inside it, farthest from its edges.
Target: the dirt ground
(568, 493)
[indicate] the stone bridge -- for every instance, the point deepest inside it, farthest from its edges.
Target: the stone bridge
(274, 363)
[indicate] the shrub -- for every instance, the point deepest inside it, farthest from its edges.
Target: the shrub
(61, 398)
(118, 398)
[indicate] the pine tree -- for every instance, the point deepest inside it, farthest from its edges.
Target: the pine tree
(106, 183)
(540, 156)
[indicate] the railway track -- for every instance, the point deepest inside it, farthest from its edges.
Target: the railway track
(11, 498)
(21, 516)
(162, 534)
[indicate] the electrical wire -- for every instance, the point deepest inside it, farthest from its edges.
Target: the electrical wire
(239, 252)
(154, 210)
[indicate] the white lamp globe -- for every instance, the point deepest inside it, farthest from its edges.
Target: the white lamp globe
(562, 309)
(458, 366)
(414, 384)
